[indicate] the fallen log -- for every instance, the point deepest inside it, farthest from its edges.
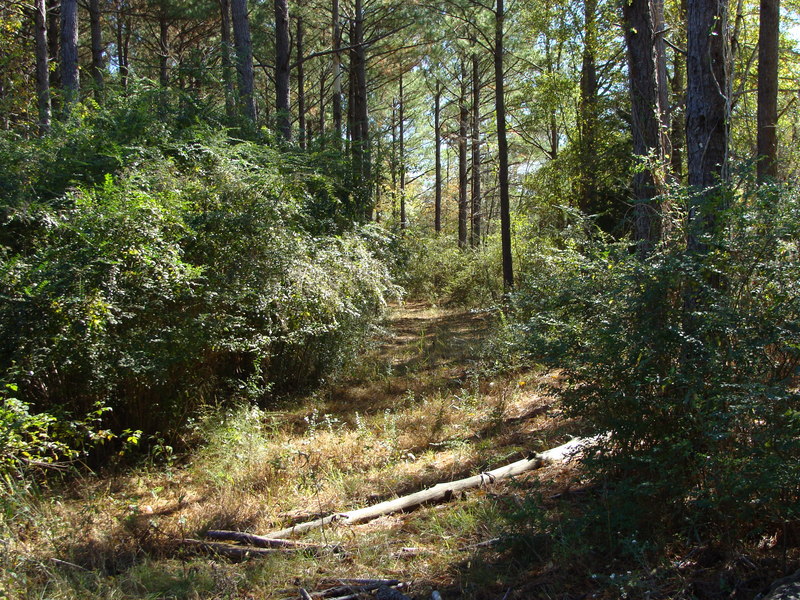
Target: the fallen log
(441, 491)
(229, 550)
(261, 541)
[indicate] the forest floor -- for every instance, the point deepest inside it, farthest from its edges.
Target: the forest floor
(419, 407)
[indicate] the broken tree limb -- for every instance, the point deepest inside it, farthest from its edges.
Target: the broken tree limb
(229, 550)
(440, 491)
(261, 541)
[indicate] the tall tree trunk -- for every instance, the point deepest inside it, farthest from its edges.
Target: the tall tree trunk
(767, 139)
(361, 141)
(70, 77)
(244, 57)
(322, 81)
(463, 122)
(437, 135)
(402, 156)
(394, 162)
(587, 112)
(225, 49)
(707, 108)
(97, 48)
(163, 46)
(647, 118)
(42, 67)
(122, 43)
(337, 70)
(677, 118)
(301, 86)
(502, 147)
(475, 234)
(53, 37)
(282, 54)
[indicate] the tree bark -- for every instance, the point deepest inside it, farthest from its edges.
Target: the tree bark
(282, 53)
(97, 48)
(437, 134)
(53, 37)
(225, 49)
(475, 233)
(70, 77)
(402, 156)
(707, 108)
(337, 71)
(361, 141)
(123, 38)
(463, 122)
(42, 67)
(767, 137)
(647, 121)
(163, 46)
(441, 491)
(587, 112)
(677, 117)
(244, 58)
(301, 86)
(502, 148)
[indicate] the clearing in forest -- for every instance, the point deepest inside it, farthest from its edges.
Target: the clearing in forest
(415, 409)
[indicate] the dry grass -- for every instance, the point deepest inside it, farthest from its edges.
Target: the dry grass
(413, 412)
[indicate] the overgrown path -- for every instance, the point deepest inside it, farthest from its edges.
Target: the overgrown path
(418, 407)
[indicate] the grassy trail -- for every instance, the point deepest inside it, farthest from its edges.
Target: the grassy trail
(414, 410)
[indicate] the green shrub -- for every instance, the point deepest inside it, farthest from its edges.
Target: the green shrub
(191, 275)
(688, 361)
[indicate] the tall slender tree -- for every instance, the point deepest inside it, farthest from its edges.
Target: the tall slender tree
(502, 146)
(70, 77)
(244, 58)
(282, 55)
(42, 66)
(226, 48)
(768, 47)
(463, 123)
(475, 192)
(97, 47)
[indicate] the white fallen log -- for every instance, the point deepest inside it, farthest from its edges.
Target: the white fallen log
(441, 491)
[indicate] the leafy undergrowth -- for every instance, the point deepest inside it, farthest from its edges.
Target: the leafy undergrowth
(418, 409)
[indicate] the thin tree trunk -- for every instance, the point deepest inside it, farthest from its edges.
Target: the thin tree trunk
(301, 89)
(163, 47)
(337, 71)
(244, 58)
(475, 237)
(322, 80)
(587, 112)
(360, 113)
(502, 148)
(677, 117)
(227, 65)
(70, 77)
(463, 121)
(402, 156)
(282, 54)
(53, 37)
(42, 67)
(437, 135)
(97, 48)
(768, 38)
(122, 45)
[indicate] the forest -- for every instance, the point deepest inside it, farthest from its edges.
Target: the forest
(481, 299)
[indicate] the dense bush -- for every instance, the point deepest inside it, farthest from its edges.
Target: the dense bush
(192, 273)
(689, 361)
